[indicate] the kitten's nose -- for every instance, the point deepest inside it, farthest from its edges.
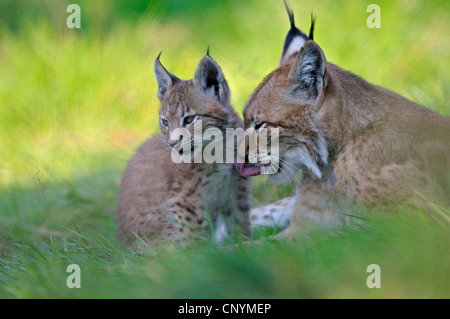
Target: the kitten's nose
(172, 143)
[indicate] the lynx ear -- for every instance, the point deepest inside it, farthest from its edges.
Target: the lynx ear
(164, 78)
(295, 39)
(308, 74)
(210, 79)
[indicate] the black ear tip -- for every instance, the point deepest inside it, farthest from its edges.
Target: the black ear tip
(207, 51)
(311, 29)
(290, 14)
(159, 55)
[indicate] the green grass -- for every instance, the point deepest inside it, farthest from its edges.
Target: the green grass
(409, 251)
(74, 105)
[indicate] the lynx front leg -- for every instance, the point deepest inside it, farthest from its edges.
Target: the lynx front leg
(185, 213)
(316, 206)
(277, 215)
(234, 214)
(241, 201)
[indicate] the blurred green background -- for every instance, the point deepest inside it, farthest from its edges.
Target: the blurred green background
(75, 104)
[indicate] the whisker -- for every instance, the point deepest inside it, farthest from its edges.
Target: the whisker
(283, 172)
(291, 169)
(289, 166)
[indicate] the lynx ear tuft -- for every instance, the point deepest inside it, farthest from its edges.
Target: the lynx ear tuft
(308, 72)
(164, 78)
(295, 39)
(311, 28)
(209, 77)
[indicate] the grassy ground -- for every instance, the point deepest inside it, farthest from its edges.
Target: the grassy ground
(74, 105)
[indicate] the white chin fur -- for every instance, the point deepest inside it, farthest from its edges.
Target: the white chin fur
(294, 160)
(300, 156)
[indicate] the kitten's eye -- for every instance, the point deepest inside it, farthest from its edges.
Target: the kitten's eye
(164, 122)
(189, 119)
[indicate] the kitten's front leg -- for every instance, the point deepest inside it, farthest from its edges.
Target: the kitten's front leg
(241, 200)
(185, 212)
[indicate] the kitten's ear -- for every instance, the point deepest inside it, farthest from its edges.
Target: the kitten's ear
(209, 77)
(164, 78)
(295, 39)
(308, 74)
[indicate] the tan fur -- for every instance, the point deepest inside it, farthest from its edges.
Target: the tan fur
(161, 201)
(371, 146)
(276, 215)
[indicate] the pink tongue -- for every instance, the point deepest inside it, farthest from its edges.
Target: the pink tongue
(247, 171)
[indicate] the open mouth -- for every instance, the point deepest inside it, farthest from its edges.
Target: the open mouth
(247, 170)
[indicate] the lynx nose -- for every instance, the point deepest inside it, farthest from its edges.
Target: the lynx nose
(172, 143)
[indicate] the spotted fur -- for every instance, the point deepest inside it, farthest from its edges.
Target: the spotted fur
(163, 202)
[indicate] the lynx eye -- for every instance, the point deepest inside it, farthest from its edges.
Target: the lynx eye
(189, 119)
(165, 123)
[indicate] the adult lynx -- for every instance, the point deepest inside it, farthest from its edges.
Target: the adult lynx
(358, 144)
